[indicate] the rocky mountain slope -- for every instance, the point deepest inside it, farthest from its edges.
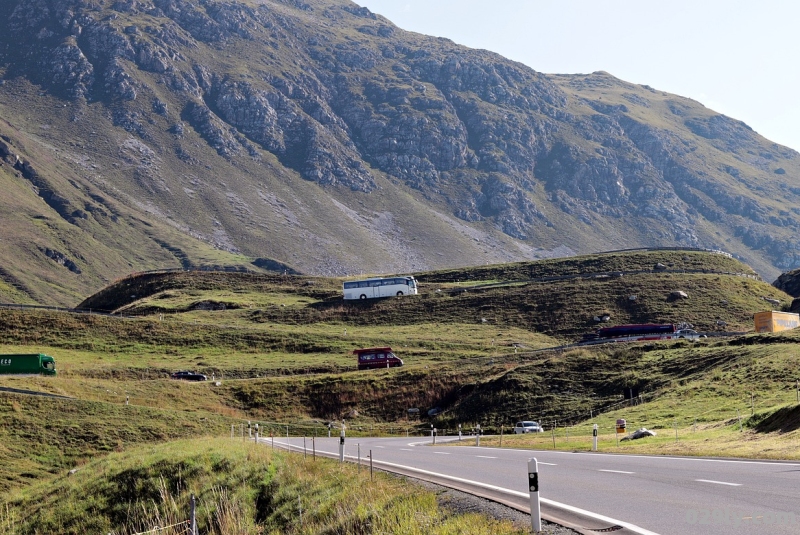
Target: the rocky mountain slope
(317, 136)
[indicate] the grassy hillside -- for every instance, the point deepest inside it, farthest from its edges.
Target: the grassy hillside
(239, 488)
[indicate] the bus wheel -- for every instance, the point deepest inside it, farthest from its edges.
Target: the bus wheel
(363, 296)
(399, 293)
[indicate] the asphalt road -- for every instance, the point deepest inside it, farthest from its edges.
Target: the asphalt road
(663, 495)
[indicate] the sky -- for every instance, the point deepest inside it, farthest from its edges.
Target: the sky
(738, 58)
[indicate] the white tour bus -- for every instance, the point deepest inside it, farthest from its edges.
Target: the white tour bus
(382, 287)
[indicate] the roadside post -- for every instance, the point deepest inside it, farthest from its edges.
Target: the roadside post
(478, 435)
(435, 432)
(501, 435)
(341, 444)
(533, 488)
(594, 438)
(621, 425)
(459, 432)
(193, 517)
(249, 430)
(329, 429)
(256, 433)
(433, 437)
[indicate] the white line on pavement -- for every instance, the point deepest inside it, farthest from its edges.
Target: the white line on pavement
(485, 457)
(405, 449)
(617, 471)
(548, 464)
(718, 482)
(442, 452)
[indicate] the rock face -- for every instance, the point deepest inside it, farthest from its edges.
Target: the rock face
(789, 282)
(345, 100)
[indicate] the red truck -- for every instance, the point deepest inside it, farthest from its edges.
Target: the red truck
(377, 357)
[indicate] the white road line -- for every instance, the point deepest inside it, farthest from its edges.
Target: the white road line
(442, 452)
(617, 471)
(548, 464)
(485, 457)
(379, 447)
(632, 527)
(718, 482)
(405, 449)
(661, 458)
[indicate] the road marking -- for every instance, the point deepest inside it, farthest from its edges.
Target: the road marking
(616, 471)
(405, 449)
(378, 446)
(632, 527)
(485, 457)
(659, 457)
(442, 452)
(718, 482)
(548, 464)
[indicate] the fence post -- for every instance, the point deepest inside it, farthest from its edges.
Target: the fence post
(193, 517)
(594, 438)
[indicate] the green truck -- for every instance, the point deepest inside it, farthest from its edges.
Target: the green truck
(28, 364)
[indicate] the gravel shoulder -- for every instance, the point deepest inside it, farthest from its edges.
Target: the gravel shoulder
(460, 502)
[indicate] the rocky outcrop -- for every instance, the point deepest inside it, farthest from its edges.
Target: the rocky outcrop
(789, 282)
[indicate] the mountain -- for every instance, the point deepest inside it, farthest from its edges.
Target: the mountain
(317, 137)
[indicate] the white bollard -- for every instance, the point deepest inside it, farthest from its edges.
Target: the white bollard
(341, 444)
(594, 438)
(478, 435)
(533, 488)
(459, 432)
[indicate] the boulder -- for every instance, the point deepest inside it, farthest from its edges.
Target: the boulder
(678, 294)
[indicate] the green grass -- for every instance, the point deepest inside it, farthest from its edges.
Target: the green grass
(240, 489)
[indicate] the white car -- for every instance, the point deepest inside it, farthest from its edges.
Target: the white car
(690, 334)
(527, 427)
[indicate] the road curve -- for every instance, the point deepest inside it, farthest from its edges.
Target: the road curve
(642, 494)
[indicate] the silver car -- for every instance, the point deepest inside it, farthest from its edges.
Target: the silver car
(527, 427)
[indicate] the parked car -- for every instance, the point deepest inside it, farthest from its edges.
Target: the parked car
(189, 376)
(528, 427)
